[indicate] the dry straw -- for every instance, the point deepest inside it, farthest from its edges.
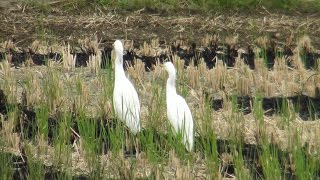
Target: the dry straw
(68, 59)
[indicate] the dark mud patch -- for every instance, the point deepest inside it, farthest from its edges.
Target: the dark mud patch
(3, 102)
(251, 155)
(41, 59)
(307, 107)
(189, 55)
(19, 167)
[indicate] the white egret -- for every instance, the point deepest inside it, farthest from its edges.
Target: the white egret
(125, 98)
(178, 111)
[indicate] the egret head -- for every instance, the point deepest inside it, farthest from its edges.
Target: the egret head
(168, 66)
(118, 47)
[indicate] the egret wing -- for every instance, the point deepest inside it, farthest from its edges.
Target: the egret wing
(126, 104)
(185, 122)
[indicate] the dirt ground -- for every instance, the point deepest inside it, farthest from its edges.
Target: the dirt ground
(24, 24)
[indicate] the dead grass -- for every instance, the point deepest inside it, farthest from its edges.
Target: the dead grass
(216, 82)
(83, 87)
(107, 25)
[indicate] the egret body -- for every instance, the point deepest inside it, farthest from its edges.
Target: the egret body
(178, 111)
(125, 98)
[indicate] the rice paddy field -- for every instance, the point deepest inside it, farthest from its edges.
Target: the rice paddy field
(249, 71)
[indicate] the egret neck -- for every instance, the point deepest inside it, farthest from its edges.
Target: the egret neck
(171, 85)
(119, 72)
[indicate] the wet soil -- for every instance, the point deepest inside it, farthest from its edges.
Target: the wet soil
(308, 108)
(20, 168)
(3, 102)
(187, 34)
(24, 25)
(192, 55)
(191, 37)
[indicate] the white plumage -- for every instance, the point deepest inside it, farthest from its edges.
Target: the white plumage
(125, 98)
(178, 111)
